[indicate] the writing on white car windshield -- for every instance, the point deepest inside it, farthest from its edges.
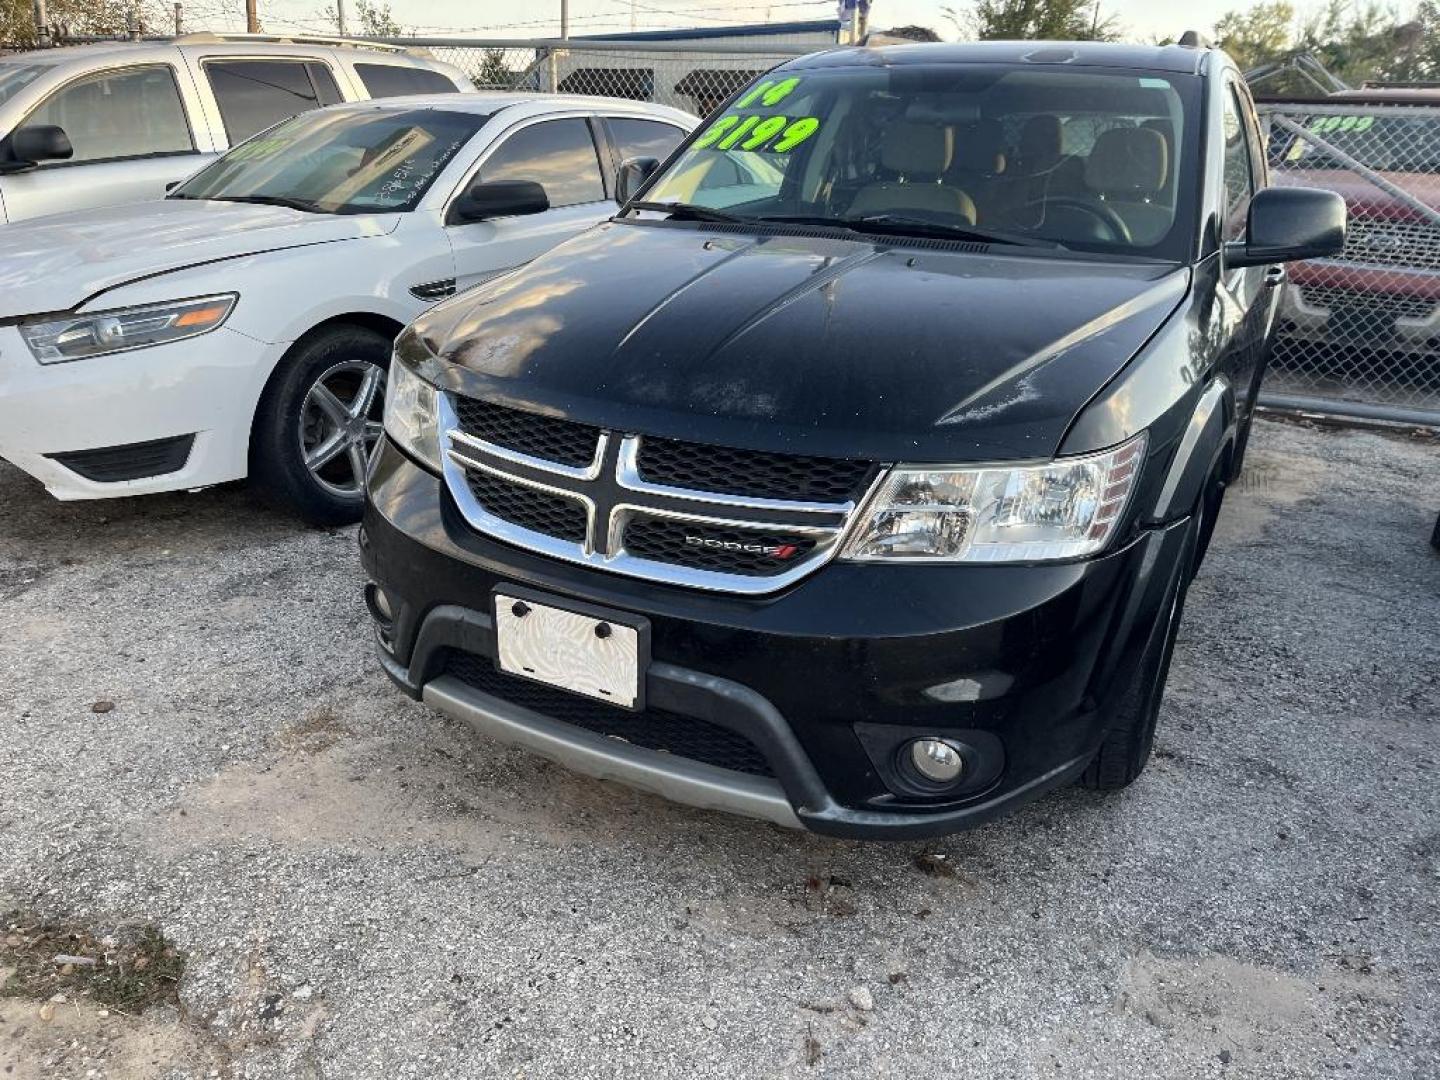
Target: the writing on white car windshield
(376, 161)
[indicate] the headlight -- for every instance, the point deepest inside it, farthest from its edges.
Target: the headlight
(75, 337)
(1063, 509)
(412, 414)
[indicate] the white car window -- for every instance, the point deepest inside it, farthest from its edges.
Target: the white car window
(559, 155)
(132, 112)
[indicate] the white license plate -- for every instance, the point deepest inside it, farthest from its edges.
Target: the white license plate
(597, 657)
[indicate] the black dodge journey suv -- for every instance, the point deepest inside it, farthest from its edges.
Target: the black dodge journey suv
(853, 475)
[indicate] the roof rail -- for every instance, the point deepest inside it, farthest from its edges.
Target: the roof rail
(209, 38)
(1193, 39)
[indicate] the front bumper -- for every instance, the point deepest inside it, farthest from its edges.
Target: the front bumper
(1020, 663)
(204, 387)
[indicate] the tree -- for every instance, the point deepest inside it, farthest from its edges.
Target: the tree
(370, 18)
(1355, 42)
(1043, 20)
(100, 18)
(493, 74)
(911, 33)
(1259, 34)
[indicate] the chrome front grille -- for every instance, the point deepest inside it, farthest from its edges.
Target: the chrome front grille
(744, 522)
(1413, 244)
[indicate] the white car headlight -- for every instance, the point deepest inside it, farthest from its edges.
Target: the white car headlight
(1063, 509)
(75, 337)
(412, 414)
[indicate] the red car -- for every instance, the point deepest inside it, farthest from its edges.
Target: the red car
(1383, 291)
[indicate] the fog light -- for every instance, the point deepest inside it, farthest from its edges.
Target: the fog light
(379, 604)
(936, 761)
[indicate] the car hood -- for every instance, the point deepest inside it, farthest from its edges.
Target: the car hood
(804, 344)
(1361, 196)
(56, 263)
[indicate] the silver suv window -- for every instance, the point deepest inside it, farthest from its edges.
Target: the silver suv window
(126, 113)
(392, 80)
(253, 94)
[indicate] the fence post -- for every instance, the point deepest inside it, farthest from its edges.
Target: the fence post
(42, 26)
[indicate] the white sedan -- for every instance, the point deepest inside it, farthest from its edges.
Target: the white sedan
(243, 325)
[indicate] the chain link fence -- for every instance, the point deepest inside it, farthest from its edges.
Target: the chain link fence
(1359, 334)
(696, 78)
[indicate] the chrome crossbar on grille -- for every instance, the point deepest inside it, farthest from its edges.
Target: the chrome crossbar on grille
(701, 539)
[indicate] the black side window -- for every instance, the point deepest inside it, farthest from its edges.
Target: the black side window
(132, 112)
(643, 138)
(560, 155)
(391, 80)
(1239, 169)
(253, 94)
(325, 89)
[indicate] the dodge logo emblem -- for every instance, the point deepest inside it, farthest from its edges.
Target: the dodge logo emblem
(774, 551)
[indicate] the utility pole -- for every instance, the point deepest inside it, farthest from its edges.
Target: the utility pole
(252, 18)
(340, 17)
(42, 26)
(179, 19)
(554, 59)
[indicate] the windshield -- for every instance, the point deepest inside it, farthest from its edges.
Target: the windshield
(1388, 143)
(1097, 160)
(15, 77)
(376, 161)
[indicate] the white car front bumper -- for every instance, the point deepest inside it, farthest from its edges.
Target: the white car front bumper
(204, 387)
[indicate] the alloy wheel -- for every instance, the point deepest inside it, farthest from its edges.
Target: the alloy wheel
(341, 420)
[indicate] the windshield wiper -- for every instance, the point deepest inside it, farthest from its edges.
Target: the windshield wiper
(270, 200)
(690, 212)
(900, 225)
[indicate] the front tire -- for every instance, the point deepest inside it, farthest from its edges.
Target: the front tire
(1123, 755)
(318, 421)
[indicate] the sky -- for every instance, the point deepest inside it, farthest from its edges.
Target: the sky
(1141, 19)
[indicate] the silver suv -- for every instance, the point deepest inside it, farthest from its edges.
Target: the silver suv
(96, 125)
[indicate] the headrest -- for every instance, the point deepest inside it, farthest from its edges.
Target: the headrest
(980, 147)
(1040, 142)
(1128, 159)
(1165, 128)
(910, 148)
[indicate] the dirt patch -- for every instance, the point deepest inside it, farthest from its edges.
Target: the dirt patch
(81, 1039)
(81, 1000)
(128, 968)
(1269, 484)
(1221, 1008)
(315, 732)
(313, 801)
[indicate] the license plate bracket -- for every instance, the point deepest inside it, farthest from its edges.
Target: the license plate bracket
(586, 649)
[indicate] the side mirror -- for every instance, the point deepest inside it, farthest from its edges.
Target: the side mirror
(631, 177)
(41, 142)
(1288, 223)
(498, 198)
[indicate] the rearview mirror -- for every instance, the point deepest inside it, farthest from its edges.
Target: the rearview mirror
(631, 177)
(498, 198)
(41, 142)
(1288, 223)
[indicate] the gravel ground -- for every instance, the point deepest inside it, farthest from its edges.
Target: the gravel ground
(366, 889)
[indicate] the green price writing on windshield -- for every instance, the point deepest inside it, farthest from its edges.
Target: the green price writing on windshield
(776, 134)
